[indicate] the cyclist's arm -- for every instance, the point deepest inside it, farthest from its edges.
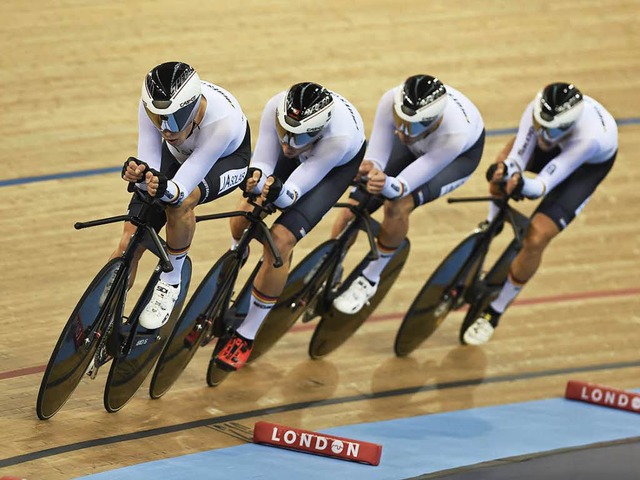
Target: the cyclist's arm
(443, 150)
(558, 169)
(265, 155)
(523, 144)
(149, 140)
(382, 134)
(326, 154)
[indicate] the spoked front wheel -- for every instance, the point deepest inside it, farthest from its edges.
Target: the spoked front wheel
(190, 331)
(440, 294)
(336, 327)
(79, 340)
(129, 371)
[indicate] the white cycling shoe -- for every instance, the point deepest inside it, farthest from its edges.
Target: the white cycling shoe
(481, 331)
(354, 298)
(157, 311)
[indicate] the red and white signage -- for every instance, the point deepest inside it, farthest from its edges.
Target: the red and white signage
(602, 395)
(318, 443)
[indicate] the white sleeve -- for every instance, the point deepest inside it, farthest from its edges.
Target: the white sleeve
(444, 150)
(218, 136)
(265, 155)
(383, 132)
(525, 141)
(149, 140)
(567, 162)
(326, 154)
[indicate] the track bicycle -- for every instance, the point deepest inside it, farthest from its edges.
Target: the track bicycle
(460, 278)
(316, 281)
(98, 330)
(213, 312)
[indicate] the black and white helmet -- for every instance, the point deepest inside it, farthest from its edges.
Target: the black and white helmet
(303, 113)
(171, 94)
(556, 109)
(418, 103)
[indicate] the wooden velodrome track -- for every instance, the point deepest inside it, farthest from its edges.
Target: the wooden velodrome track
(71, 75)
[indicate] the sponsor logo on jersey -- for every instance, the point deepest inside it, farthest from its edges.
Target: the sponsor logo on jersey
(530, 134)
(452, 186)
(231, 179)
(221, 92)
(549, 169)
(461, 107)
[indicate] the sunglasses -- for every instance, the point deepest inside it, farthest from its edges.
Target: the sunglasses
(175, 122)
(295, 140)
(411, 129)
(550, 135)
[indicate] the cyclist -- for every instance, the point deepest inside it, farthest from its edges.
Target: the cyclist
(194, 145)
(427, 140)
(570, 141)
(310, 145)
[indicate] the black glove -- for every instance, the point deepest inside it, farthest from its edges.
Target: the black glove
(274, 190)
(137, 162)
(250, 172)
(162, 182)
(517, 192)
(492, 170)
(130, 187)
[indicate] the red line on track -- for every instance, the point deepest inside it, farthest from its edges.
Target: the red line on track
(624, 292)
(22, 372)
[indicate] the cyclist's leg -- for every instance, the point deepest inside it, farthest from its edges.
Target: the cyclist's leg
(293, 225)
(287, 230)
(225, 175)
(399, 158)
(222, 179)
(395, 224)
(127, 232)
(556, 211)
(157, 219)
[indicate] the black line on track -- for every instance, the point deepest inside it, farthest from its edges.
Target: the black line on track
(49, 452)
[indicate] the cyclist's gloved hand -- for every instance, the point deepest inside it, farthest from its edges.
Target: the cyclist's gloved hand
(156, 183)
(376, 182)
(272, 189)
(249, 183)
(505, 179)
(365, 167)
(133, 170)
(514, 187)
(496, 172)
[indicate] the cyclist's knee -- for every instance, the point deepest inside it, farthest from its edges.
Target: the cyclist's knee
(127, 232)
(284, 241)
(541, 231)
(398, 209)
(186, 208)
(341, 222)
